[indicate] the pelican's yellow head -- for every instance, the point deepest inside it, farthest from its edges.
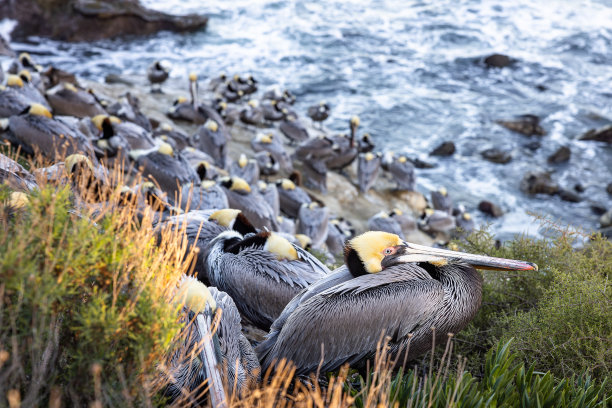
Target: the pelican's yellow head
(442, 190)
(397, 211)
(287, 184)
(165, 148)
(98, 119)
(225, 217)
(365, 252)
(179, 100)
(18, 199)
(211, 125)
(304, 240)
(39, 110)
(280, 247)
(264, 138)
(166, 127)
(239, 184)
(466, 216)
(355, 121)
(14, 81)
(243, 161)
(402, 159)
(208, 184)
(74, 159)
(193, 77)
(252, 103)
(70, 87)
(369, 156)
(194, 295)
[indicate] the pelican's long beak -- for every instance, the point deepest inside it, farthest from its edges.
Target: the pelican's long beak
(209, 359)
(437, 256)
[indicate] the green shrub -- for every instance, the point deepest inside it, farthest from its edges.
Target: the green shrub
(560, 316)
(84, 311)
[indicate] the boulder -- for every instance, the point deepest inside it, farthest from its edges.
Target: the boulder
(609, 188)
(538, 182)
(603, 134)
(496, 155)
(498, 61)
(569, 195)
(89, 20)
(444, 149)
(528, 125)
(560, 156)
(491, 209)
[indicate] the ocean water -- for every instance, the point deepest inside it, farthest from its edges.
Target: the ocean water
(412, 71)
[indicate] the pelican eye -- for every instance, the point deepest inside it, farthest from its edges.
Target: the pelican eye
(390, 251)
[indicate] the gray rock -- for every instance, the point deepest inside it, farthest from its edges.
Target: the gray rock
(528, 125)
(560, 156)
(606, 219)
(538, 182)
(491, 209)
(568, 195)
(496, 155)
(603, 134)
(498, 61)
(444, 149)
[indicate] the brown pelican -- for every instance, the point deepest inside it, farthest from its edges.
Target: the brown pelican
(293, 129)
(387, 287)
(365, 143)
(37, 131)
(12, 102)
(368, 167)
(406, 221)
(21, 84)
(168, 168)
(401, 169)
(312, 221)
(180, 138)
(252, 204)
(128, 109)
(436, 221)
(291, 197)
(381, 221)
(267, 165)
(270, 143)
(346, 152)
(157, 73)
(252, 114)
(441, 201)
(271, 111)
(463, 219)
(211, 138)
(117, 135)
(261, 272)
(315, 174)
(337, 236)
(190, 365)
(203, 196)
(269, 192)
(67, 99)
(201, 227)
(319, 112)
(246, 169)
(286, 225)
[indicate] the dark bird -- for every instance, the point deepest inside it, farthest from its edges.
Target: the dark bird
(157, 73)
(246, 169)
(253, 205)
(312, 221)
(268, 166)
(174, 135)
(270, 143)
(319, 112)
(368, 167)
(211, 138)
(67, 99)
(191, 367)
(252, 114)
(203, 196)
(346, 150)
(401, 169)
(261, 272)
(291, 197)
(387, 287)
(381, 221)
(293, 129)
(441, 201)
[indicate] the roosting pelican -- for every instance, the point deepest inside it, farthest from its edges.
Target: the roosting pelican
(389, 287)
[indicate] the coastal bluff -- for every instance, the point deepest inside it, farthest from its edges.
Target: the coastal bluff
(90, 20)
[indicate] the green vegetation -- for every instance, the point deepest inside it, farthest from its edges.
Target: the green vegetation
(84, 316)
(85, 319)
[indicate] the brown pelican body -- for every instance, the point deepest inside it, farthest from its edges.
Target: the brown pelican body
(252, 114)
(315, 174)
(293, 129)
(272, 144)
(383, 222)
(346, 150)
(252, 204)
(181, 139)
(337, 235)
(157, 73)
(269, 192)
(436, 221)
(261, 272)
(441, 201)
(368, 167)
(401, 169)
(206, 195)
(271, 111)
(67, 99)
(37, 131)
(12, 102)
(168, 168)
(319, 112)
(128, 109)
(246, 169)
(268, 166)
(291, 197)
(189, 367)
(463, 219)
(387, 287)
(22, 83)
(211, 138)
(312, 221)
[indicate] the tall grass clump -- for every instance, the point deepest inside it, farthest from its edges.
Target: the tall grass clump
(84, 290)
(560, 316)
